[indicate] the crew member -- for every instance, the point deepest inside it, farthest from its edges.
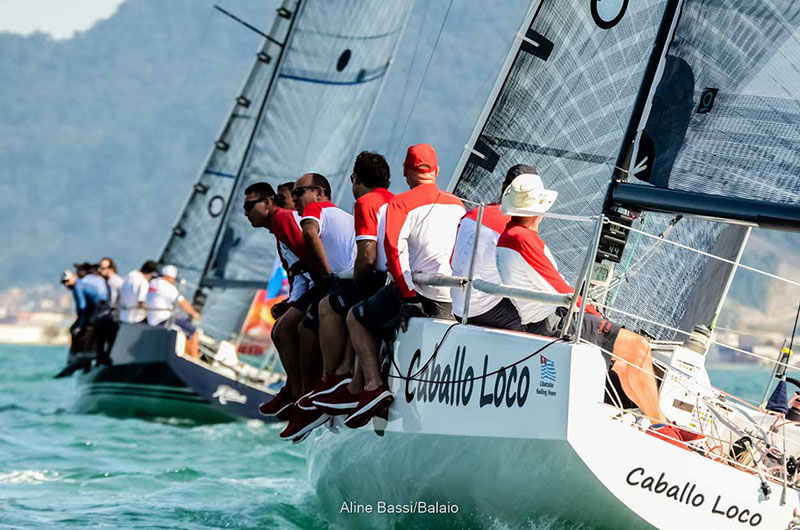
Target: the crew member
(421, 226)
(284, 197)
(262, 210)
(133, 293)
(108, 270)
(330, 242)
(523, 260)
(484, 309)
(162, 298)
(108, 321)
(339, 389)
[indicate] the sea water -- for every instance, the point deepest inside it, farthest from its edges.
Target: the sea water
(59, 469)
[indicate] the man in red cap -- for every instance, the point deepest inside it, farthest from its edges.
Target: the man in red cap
(420, 231)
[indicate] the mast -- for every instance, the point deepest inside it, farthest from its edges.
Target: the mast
(294, 15)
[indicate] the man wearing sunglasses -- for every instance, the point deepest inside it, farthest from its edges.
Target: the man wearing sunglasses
(262, 210)
(330, 242)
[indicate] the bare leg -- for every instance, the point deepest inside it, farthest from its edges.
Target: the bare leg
(366, 349)
(193, 345)
(357, 384)
(284, 336)
(332, 337)
(348, 359)
(640, 380)
(310, 358)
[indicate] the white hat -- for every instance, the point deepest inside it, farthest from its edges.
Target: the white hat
(169, 270)
(526, 196)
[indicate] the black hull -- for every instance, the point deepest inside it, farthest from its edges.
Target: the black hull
(222, 389)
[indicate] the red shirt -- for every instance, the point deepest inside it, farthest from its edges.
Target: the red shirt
(369, 208)
(285, 226)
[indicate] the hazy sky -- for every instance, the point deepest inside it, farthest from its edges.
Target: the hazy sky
(59, 18)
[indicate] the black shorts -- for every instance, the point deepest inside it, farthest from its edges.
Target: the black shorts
(503, 315)
(382, 311)
(346, 295)
(596, 330)
(318, 292)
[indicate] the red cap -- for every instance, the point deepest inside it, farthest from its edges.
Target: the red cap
(421, 157)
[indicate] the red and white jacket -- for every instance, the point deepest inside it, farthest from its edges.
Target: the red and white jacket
(421, 227)
(492, 225)
(369, 216)
(285, 226)
(523, 260)
(336, 233)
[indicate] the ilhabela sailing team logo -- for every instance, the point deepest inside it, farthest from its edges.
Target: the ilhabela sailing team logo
(547, 377)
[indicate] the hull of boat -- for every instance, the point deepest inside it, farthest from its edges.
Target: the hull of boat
(531, 441)
(220, 387)
(141, 390)
(140, 381)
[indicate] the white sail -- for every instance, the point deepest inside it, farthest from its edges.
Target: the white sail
(312, 118)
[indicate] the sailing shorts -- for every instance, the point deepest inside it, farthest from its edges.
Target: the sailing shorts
(596, 330)
(313, 298)
(383, 311)
(346, 295)
(503, 315)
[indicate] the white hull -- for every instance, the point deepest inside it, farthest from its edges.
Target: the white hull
(556, 452)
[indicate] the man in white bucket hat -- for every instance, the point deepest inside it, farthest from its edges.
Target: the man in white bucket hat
(523, 260)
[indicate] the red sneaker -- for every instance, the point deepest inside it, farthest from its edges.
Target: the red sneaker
(370, 403)
(321, 389)
(340, 401)
(302, 422)
(285, 414)
(279, 402)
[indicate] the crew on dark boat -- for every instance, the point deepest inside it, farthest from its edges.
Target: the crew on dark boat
(133, 293)
(163, 298)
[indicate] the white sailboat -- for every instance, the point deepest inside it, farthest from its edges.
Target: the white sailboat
(671, 128)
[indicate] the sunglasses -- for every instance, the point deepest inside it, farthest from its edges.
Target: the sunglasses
(298, 191)
(248, 205)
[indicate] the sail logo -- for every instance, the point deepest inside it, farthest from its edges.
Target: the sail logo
(226, 394)
(608, 13)
(547, 369)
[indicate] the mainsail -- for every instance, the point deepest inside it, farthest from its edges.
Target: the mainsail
(312, 115)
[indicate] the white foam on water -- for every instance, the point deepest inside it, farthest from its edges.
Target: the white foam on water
(28, 476)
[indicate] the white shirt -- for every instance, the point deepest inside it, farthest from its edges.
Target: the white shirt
(162, 297)
(133, 290)
(336, 231)
(493, 223)
(114, 285)
(421, 229)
